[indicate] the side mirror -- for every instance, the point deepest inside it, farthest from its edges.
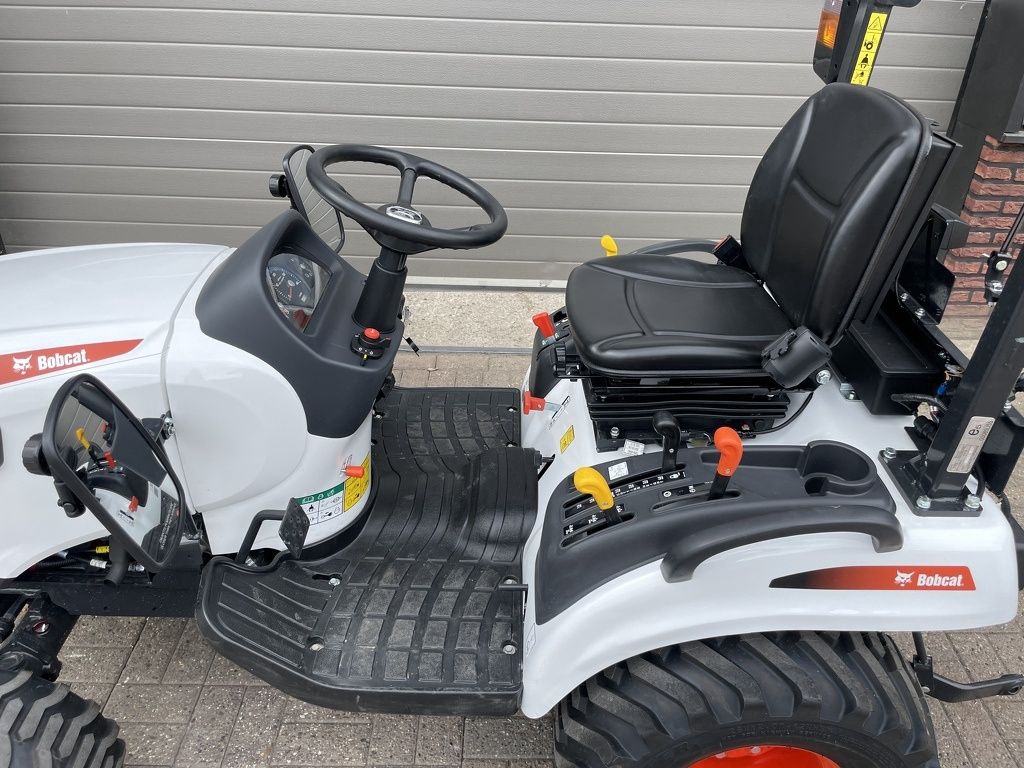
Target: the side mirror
(109, 462)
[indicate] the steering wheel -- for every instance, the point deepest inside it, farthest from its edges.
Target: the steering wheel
(399, 226)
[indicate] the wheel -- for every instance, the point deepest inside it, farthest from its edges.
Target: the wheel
(788, 700)
(45, 725)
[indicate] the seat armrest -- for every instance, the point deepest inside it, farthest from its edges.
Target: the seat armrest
(672, 247)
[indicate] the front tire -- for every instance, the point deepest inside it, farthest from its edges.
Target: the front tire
(846, 699)
(45, 725)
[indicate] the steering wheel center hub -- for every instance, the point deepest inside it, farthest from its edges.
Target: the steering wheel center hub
(404, 214)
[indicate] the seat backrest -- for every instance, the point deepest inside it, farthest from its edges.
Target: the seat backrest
(821, 215)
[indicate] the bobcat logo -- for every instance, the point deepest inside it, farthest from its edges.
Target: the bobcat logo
(22, 365)
(903, 579)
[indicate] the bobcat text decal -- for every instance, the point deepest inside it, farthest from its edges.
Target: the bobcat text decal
(949, 578)
(36, 362)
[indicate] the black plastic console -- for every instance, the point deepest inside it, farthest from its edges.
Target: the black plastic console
(778, 491)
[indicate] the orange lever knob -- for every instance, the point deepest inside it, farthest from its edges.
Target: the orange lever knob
(545, 324)
(531, 403)
(729, 444)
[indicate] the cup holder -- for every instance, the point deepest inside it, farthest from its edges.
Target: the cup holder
(829, 467)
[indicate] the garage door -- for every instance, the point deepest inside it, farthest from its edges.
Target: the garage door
(136, 120)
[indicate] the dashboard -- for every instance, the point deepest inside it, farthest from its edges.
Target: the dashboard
(296, 284)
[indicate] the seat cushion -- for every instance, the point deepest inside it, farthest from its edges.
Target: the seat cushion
(666, 315)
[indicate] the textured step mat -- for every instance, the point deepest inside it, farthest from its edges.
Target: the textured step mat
(415, 614)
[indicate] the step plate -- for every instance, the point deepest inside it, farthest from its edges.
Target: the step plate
(415, 621)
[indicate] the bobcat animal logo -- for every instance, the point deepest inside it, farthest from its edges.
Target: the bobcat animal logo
(22, 365)
(903, 579)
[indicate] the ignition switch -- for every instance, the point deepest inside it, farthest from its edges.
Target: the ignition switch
(369, 344)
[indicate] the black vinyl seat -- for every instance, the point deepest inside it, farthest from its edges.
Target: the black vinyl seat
(823, 225)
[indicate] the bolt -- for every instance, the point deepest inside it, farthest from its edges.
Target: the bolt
(509, 648)
(666, 494)
(850, 394)
(925, 689)
(41, 627)
(378, 416)
(889, 453)
(904, 296)
(316, 646)
(511, 409)
(923, 502)
(972, 502)
(510, 445)
(1008, 404)
(614, 432)
(510, 580)
(823, 377)
(334, 581)
(919, 312)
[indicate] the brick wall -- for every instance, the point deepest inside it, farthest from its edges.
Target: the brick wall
(995, 197)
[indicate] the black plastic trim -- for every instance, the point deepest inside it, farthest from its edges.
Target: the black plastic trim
(682, 560)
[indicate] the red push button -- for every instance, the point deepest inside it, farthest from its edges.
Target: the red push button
(371, 333)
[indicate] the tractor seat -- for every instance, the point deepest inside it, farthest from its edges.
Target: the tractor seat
(834, 200)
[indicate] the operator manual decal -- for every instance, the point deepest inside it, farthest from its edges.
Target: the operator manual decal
(966, 454)
(324, 506)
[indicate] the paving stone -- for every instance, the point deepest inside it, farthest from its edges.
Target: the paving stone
(508, 737)
(92, 665)
(224, 672)
(951, 749)
(209, 728)
(153, 651)
(256, 726)
(105, 632)
(98, 692)
(439, 741)
(531, 764)
(296, 711)
(151, 743)
(1008, 714)
(393, 740)
(192, 657)
(152, 703)
(977, 654)
(321, 744)
(979, 735)
(412, 377)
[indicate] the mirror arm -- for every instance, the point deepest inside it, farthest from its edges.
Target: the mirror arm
(67, 501)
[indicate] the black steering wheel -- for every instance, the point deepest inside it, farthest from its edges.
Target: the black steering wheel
(399, 226)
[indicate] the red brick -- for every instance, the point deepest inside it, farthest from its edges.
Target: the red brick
(997, 190)
(989, 222)
(1012, 208)
(992, 141)
(960, 297)
(964, 310)
(979, 237)
(978, 252)
(969, 282)
(1019, 175)
(982, 206)
(993, 172)
(1002, 155)
(961, 267)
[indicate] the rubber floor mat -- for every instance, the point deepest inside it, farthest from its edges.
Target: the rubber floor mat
(422, 611)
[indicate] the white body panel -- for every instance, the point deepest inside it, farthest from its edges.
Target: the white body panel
(730, 593)
(241, 432)
(240, 442)
(71, 298)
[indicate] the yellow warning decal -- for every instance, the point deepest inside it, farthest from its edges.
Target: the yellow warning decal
(567, 438)
(869, 49)
(356, 487)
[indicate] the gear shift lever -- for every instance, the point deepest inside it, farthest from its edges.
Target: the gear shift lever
(665, 424)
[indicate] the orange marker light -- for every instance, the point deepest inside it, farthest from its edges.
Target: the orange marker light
(828, 26)
(355, 471)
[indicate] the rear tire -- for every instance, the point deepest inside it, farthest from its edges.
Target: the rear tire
(45, 725)
(848, 697)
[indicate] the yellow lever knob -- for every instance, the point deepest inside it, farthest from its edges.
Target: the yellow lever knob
(591, 482)
(611, 248)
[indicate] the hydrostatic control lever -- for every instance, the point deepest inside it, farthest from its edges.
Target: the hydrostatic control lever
(665, 424)
(729, 445)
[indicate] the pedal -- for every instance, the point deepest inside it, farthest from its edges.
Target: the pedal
(954, 692)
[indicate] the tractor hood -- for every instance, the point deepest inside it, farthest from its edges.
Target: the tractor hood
(75, 307)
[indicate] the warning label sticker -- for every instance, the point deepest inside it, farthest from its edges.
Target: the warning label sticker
(869, 49)
(566, 441)
(356, 487)
(966, 454)
(326, 505)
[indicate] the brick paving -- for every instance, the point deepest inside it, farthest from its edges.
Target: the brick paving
(180, 704)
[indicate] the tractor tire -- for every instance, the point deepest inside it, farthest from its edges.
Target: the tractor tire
(815, 698)
(45, 725)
